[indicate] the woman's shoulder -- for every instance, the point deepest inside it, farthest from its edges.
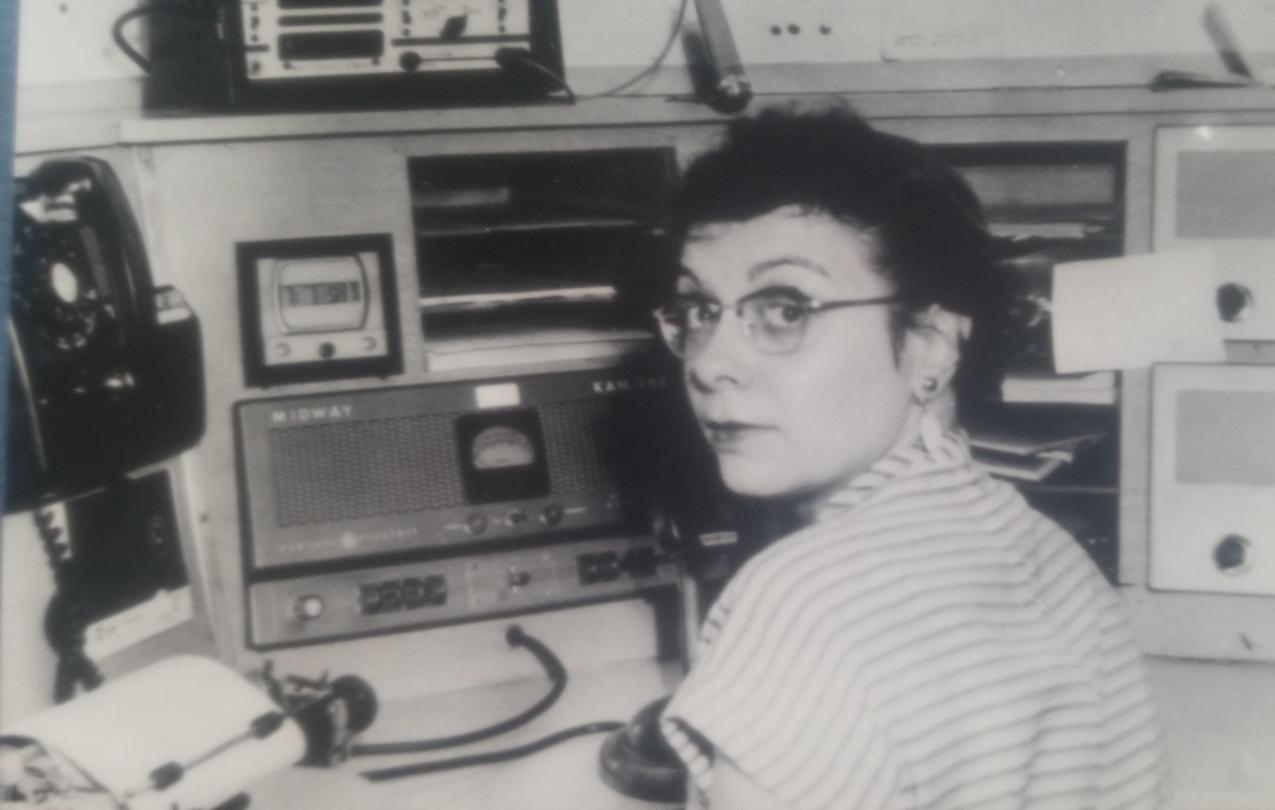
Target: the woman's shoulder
(960, 535)
(903, 516)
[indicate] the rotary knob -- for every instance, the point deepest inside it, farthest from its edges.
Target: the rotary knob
(308, 607)
(410, 61)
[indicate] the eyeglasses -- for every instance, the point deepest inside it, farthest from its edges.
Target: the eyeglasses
(773, 320)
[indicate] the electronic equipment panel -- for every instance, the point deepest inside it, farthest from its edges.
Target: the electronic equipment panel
(1215, 189)
(286, 39)
(322, 308)
(1212, 477)
(443, 466)
(326, 606)
(505, 240)
(509, 45)
(371, 511)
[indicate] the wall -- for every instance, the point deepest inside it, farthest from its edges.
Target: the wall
(66, 43)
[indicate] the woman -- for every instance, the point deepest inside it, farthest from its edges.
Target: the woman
(925, 639)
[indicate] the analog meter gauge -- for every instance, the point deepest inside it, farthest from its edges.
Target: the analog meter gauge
(502, 454)
(502, 446)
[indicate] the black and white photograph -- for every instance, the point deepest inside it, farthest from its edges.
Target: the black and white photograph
(637, 404)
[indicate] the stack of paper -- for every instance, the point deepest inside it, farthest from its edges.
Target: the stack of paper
(1094, 388)
(1134, 311)
(1029, 454)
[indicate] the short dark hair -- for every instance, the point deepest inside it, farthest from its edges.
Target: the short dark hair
(925, 224)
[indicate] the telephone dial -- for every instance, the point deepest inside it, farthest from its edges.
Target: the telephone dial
(105, 368)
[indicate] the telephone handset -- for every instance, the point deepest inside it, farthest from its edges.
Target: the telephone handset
(106, 369)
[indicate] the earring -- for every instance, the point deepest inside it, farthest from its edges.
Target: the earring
(930, 429)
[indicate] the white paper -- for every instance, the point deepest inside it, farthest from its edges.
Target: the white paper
(1133, 311)
(176, 710)
(134, 625)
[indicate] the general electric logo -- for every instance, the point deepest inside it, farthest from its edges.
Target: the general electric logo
(351, 540)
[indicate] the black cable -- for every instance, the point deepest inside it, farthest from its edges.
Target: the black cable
(503, 755)
(117, 29)
(655, 64)
(117, 34)
(516, 638)
(512, 60)
(64, 622)
(558, 80)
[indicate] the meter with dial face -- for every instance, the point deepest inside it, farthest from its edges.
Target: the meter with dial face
(320, 308)
(502, 446)
(502, 454)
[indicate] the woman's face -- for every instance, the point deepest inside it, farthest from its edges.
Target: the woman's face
(799, 424)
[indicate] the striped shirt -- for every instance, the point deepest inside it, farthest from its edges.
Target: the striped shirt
(930, 641)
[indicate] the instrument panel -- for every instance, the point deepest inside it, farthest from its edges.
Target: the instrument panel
(320, 308)
(377, 510)
(286, 41)
(344, 604)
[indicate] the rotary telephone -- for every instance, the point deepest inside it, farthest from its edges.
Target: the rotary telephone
(105, 368)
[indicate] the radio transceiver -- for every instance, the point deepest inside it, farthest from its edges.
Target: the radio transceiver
(377, 510)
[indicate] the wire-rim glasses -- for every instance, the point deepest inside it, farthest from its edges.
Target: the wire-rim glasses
(774, 321)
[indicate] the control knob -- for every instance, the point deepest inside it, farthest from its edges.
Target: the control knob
(308, 607)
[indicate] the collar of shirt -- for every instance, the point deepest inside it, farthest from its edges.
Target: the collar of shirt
(910, 456)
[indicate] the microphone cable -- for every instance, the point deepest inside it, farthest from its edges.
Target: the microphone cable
(503, 755)
(516, 637)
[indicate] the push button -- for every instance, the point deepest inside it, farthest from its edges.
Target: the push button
(414, 595)
(391, 595)
(435, 589)
(369, 599)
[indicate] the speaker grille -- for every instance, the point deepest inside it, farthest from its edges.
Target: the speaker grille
(340, 471)
(580, 444)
